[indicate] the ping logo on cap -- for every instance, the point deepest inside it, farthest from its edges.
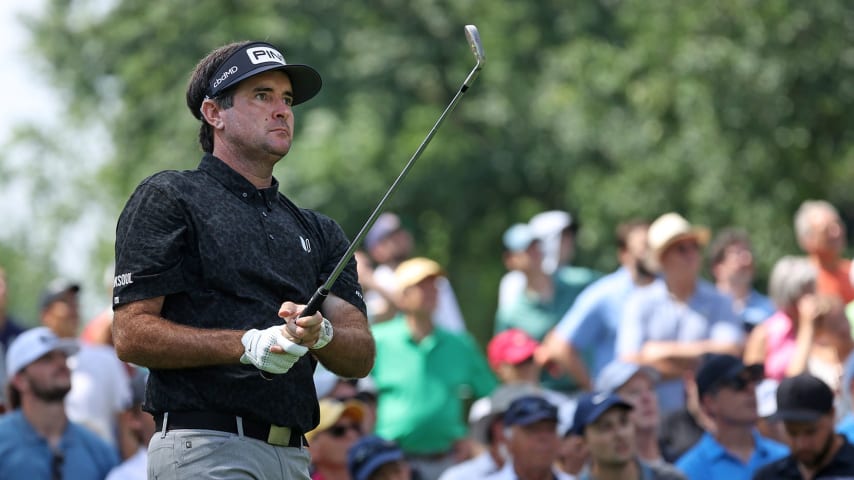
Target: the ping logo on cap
(264, 55)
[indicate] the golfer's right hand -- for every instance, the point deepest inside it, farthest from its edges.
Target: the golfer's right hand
(257, 346)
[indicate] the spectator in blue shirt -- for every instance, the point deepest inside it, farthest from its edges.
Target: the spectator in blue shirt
(733, 268)
(734, 450)
(36, 439)
(583, 342)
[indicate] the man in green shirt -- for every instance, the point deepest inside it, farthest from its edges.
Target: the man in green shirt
(423, 374)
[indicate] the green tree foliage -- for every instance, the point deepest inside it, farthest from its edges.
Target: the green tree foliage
(730, 112)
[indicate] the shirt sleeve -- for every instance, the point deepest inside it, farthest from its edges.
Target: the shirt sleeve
(631, 335)
(150, 241)
(582, 324)
(483, 380)
(347, 285)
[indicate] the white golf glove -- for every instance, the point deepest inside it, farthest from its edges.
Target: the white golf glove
(257, 344)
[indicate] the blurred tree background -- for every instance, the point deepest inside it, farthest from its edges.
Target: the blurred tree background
(731, 112)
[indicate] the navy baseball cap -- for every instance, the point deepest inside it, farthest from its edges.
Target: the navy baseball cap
(529, 409)
(369, 454)
(259, 57)
(592, 405)
(720, 369)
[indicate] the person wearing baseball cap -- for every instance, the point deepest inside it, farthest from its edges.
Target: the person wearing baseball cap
(805, 406)
(733, 448)
(530, 431)
(421, 370)
(37, 440)
(213, 269)
(374, 458)
(603, 419)
(389, 243)
(538, 307)
(486, 422)
(635, 384)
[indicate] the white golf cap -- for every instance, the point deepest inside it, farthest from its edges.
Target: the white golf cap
(34, 344)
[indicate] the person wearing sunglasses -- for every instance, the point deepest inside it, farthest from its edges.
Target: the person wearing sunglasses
(670, 323)
(734, 449)
(340, 427)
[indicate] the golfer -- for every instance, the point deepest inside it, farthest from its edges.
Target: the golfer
(214, 266)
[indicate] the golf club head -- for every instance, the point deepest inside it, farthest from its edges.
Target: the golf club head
(476, 47)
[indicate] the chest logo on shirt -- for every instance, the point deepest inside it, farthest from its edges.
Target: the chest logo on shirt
(306, 245)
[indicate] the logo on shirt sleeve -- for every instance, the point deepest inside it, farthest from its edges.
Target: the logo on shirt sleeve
(122, 280)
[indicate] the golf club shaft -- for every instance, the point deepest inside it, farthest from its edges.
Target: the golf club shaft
(322, 292)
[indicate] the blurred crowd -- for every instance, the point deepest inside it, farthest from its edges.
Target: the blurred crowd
(650, 371)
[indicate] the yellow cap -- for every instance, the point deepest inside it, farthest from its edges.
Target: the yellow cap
(414, 270)
(331, 410)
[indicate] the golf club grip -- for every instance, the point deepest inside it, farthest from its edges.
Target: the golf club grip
(316, 301)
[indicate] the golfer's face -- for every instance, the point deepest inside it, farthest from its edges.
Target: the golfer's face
(261, 120)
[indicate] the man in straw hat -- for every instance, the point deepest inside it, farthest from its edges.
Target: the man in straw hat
(669, 324)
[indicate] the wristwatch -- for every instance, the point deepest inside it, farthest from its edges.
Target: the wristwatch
(325, 335)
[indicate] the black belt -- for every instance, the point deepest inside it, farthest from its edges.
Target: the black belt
(272, 434)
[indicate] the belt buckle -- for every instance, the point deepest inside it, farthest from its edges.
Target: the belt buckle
(279, 436)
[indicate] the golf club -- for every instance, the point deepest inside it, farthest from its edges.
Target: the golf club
(320, 295)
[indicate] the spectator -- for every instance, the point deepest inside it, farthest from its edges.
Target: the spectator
(733, 449)
(340, 427)
(766, 406)
(807, 333)
(604, 420)
(588, 331)
(420, 372)
(846, 425)
(10, 327)
(636, 385)
(388, 244)
(486, 422)
(139, 426)
(821, 235)
(573, 455)
(530, 429)
(733, 269)
(545, 299)
(683, 428)
(556, 231)
(37, 440)
(100, 383)
(59, 307)
(670, 323)
(511, 356)
(372, 458)
(805, 406)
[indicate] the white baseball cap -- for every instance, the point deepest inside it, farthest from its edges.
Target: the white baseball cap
(34, 344)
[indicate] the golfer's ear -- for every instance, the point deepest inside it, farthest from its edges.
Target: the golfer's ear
(211, 113)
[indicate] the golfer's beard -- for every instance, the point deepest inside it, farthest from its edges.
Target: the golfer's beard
(50, 394)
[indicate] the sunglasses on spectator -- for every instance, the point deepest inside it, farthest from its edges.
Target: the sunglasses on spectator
(742, 381)
(686, 247)
(339, 431)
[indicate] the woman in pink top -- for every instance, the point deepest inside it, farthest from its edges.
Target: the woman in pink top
(807, 333)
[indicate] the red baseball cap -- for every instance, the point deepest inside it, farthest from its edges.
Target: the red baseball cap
(510, 346)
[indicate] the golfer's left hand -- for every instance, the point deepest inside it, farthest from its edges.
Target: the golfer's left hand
(300, 330)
